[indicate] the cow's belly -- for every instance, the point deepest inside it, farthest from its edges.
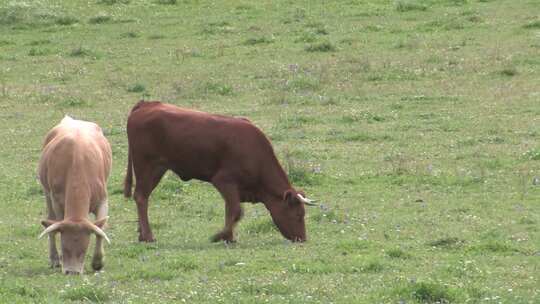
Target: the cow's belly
(193, 166)
(186, 174)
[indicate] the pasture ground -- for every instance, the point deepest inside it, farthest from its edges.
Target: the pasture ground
(414, 123)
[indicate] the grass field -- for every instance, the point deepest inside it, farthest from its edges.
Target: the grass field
(416, 124)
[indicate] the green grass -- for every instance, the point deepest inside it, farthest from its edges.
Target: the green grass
(429, 293)
(99, 19)
(258, 40)
(405, 6)
(86, 293)
(112, 2)
(397, 253)
(325, 46)
(167, 2)
(136, 88)
(81, 52)
(413, 123)
(532, 25)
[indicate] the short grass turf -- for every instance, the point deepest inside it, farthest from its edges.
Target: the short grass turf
(414, 123)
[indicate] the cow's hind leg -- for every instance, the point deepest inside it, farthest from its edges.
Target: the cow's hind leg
(99, 252)
(53, 253)
(233, 211)
(147, 179)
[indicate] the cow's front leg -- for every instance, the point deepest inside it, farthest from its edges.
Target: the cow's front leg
(99, 252)
(54, 258)
(53, 253)
(233, 211)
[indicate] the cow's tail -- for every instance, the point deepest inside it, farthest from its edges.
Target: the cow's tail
(128, 182)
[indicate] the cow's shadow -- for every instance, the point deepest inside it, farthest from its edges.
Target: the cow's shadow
(39, 270)
(207, 245)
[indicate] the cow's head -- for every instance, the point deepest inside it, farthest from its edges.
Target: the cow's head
(288, 215)
(74, 238)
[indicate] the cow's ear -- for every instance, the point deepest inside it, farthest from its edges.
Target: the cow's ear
(100, 223)
(289, 197)
(47, 223)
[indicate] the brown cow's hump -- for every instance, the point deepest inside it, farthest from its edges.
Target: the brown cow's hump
(144, 103)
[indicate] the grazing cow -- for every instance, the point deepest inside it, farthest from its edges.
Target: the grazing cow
(230, 153)
(73, 170)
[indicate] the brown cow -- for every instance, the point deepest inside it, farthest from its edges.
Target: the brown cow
(73, 170)
(230, 153)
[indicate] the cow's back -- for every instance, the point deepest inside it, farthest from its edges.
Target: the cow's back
(76, 155)
(196, 144)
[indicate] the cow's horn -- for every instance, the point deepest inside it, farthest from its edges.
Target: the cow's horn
(306, 200)
(50, 229)
(99, 232)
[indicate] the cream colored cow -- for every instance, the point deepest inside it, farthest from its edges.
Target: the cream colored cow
(73, 170)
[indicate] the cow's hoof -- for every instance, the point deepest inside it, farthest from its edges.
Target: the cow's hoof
(97, 265)
(221, 236)
(147, 239)
(55, 263)
(70, 272)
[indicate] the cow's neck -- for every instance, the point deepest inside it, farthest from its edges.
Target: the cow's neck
(77, 205)
(275, 183)
(75, 213)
